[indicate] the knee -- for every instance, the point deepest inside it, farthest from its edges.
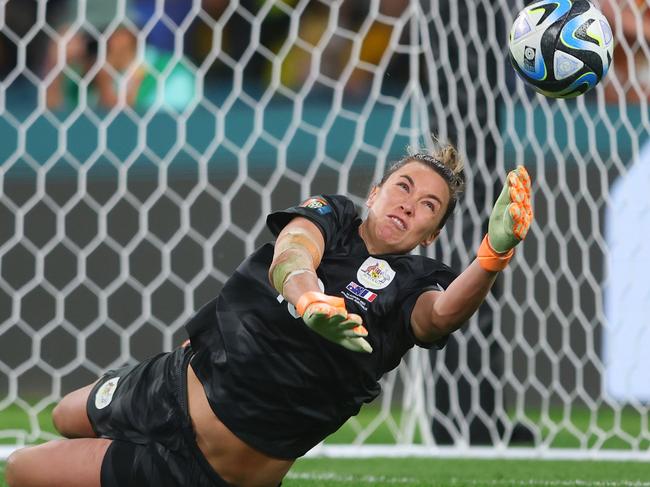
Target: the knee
(15, 469)
(65, 421)
(58, 418)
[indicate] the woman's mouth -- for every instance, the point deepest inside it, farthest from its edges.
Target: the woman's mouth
(398, 222)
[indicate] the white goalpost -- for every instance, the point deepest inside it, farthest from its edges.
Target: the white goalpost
(144, 145)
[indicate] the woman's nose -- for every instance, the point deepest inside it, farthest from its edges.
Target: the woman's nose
(407, 207)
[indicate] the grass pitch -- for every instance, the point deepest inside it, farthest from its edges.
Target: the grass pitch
(411, 472)
(420, 472)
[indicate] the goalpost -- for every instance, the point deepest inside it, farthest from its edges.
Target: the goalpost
(137, 173)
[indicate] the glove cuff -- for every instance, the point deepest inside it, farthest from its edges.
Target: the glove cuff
(311, 297)
(491, 260)
(305, 300)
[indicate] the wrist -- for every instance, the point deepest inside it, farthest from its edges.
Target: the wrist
(298, 283)
(491, 260)
(305, 300)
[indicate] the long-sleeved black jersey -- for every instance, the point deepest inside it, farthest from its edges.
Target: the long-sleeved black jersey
(274, 382)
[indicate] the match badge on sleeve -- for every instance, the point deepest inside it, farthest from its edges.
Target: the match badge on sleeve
(319, 204)
(104, 394)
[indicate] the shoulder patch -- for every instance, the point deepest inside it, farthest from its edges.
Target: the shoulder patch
(319, 204)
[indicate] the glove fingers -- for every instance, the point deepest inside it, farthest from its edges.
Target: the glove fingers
(355, 332)
(357, 345)
(323, 319)
(524, 177)
(520, 210)
(336, 319)
(355, 317)
(353, 326)
(520, 220)
(517, 190)
(348, 325)
(325, 310)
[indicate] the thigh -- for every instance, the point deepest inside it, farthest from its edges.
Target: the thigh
(70, 463)
(130, 464)
(70, 416)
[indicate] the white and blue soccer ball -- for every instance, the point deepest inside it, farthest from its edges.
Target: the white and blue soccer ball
(562, 48)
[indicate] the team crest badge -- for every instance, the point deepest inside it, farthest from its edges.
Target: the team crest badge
(375, 273)
(104, 394)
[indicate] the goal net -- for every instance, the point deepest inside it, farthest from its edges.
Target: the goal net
(144, 142)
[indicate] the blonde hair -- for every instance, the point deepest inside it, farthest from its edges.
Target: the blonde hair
(444, 160)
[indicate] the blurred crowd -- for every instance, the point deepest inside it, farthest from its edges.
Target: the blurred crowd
(119, 49)
(630, 22)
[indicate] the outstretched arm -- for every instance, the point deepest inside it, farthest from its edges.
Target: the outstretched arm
(298, 251)
(436, 314)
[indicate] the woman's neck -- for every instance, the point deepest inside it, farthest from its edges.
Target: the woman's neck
(365, 234)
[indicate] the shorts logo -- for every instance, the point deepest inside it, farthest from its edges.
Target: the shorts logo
(375, 273)
(361, 291)
(104, 394)
(318, 204)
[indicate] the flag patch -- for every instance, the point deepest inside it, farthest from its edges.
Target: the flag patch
(361, 291)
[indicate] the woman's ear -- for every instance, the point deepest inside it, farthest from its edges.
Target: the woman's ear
(430, 239)
(371, 196)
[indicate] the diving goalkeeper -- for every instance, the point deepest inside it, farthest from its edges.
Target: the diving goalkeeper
(292, 347)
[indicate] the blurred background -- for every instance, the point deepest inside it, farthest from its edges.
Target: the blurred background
(144, 142)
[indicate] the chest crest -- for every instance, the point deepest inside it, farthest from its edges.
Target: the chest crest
(375, 273)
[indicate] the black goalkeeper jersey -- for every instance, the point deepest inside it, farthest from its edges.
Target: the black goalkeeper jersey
(274, 382)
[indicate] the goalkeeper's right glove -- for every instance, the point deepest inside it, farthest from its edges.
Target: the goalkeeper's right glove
(509, 222)
(327, 316)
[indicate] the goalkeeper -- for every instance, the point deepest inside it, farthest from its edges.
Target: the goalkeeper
(292, 346)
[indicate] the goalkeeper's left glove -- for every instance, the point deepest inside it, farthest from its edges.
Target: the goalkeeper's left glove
(509, 222)
(327, 316)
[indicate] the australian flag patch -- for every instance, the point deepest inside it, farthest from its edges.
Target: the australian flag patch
(361, 291)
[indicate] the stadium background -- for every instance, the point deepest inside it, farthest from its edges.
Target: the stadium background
(119, 221)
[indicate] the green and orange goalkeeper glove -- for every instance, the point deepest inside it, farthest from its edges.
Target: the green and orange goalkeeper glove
(327, 316)
(509, 222)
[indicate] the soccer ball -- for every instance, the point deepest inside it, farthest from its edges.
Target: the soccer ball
(562, 48)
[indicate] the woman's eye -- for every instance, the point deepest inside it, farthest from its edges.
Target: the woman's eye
(431, 206)
(403, 186)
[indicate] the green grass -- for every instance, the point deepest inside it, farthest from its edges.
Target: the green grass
(559, 430)
(448, 472)
(410, 472)
(16, 418)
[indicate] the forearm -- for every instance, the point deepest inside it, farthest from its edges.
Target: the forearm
(300, 284)
(461, 299)
(298, 251)
(436, 314)
(509, 223)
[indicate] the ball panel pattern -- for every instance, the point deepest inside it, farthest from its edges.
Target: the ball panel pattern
(561, 48)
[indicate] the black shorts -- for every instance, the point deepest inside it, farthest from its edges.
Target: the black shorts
(143, 409)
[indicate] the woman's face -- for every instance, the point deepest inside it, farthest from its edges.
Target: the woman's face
(406, 210)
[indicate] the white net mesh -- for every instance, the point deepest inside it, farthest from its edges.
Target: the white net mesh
(144, 142)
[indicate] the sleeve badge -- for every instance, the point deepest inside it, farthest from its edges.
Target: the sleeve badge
(319, 204)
